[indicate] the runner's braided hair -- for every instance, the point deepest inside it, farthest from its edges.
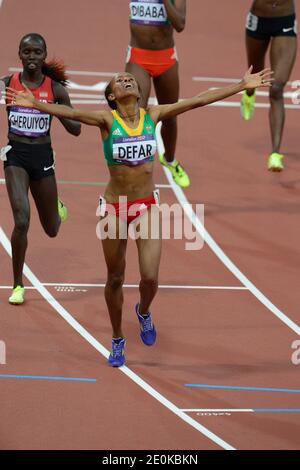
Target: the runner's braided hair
(107, 92)
(54, 69)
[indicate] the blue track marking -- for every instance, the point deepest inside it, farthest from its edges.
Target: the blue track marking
(45, 377)
(235, 387)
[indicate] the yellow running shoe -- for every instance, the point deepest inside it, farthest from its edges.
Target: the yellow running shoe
(17, 296)
(275, 162)
(179, 174)
(62, 211)
(247, 105)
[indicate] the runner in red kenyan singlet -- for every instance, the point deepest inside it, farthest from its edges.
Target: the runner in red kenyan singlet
(27, 122)
(28, 157)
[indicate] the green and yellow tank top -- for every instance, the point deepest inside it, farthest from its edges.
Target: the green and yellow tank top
(149, 12)
(130, 146)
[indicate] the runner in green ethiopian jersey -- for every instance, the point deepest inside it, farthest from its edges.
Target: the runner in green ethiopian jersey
(129, 147)
(121, 146)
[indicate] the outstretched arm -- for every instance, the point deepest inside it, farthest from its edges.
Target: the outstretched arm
(250, 81)
(27, 100)
(176, 13)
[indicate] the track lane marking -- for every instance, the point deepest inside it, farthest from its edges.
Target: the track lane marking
(92, 183)
(83, 73)
(242, 388)
(134, 286)
(46, 377)
(86, 73)
(92, 99)
(217, 250)
(222, 80)
(217, 410)
(100, 348)
(241, 410)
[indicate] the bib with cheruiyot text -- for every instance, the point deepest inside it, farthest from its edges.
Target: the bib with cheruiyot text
(29, 122)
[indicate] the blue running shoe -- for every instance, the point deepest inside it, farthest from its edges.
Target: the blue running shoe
(148, 332)
(116, 357)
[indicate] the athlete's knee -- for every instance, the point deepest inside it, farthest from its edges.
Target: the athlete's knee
(22, 220)
(276, 91)
(115, 280)
(149, 282)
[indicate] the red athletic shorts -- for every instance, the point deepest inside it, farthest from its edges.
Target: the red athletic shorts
(154, 62)
(128, 210)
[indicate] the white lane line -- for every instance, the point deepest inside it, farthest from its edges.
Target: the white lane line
(86, 95)
(182, 199)
(236, 104)
(94, 183)
(221, 80)
(96, 87)
(221, 412)
(83, 73)
(217, 410)
(162, 286)
(99, 347)
(163, 186)
(136, 286)
(99, 99)
(218, 104)
(216, 79)
(287, 94)
(9, 287)
(102, 100)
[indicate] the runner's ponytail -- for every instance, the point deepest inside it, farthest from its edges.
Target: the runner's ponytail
(56, 70)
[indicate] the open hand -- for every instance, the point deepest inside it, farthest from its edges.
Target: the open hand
(260, 79)
(19, 98)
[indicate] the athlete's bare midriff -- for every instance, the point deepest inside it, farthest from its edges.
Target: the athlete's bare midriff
(151, 37)
(273, 8)
(135, 182)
